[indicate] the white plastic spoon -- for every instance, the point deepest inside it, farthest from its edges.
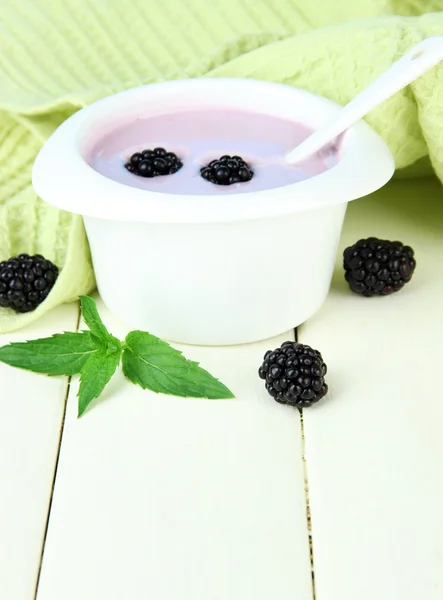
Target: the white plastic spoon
(414, 63)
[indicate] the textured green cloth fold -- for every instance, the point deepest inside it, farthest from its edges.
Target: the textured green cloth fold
(57, 56)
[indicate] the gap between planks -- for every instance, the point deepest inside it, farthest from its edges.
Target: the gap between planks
(306, 489)
(60, 439)
(308, 506)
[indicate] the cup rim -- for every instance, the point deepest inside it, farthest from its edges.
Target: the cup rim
(62, 177)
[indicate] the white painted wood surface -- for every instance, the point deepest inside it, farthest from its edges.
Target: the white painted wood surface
(172, 498)
(375, 446)
(31, 412)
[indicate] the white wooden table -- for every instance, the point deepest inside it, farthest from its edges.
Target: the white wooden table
(151, 497)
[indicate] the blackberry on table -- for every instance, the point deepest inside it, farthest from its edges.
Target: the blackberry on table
(25, 281)
(376, 267)
(152, 163)
(294, 374)
(227, 170)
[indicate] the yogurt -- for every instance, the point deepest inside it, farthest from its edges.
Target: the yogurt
(199, 136)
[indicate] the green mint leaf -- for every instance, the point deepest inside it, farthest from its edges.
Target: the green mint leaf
(61, 354)
(155, 365)
(95, 375)
(92, 319)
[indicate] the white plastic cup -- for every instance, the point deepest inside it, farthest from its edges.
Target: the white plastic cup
(213, 269)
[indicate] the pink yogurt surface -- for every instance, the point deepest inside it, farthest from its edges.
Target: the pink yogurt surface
(199, 136)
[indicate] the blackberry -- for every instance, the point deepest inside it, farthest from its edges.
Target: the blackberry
(227, 170)
(294, 374)
(25, 281)
(151, 163)
(376, 267)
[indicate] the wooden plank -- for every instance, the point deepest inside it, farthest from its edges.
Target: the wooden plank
(170, 498)
(31, 408)
(375, 446)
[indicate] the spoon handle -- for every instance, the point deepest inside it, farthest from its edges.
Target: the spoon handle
(414, 63)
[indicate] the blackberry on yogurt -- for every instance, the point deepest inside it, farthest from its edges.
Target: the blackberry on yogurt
(227, 170)
(152, 163)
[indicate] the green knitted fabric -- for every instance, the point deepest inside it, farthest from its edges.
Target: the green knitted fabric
(60, 55)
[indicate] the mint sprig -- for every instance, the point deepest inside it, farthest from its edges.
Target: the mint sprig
(156, 366)
(93, 320)
(94, 376)
(95, 355)
(61, 354)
